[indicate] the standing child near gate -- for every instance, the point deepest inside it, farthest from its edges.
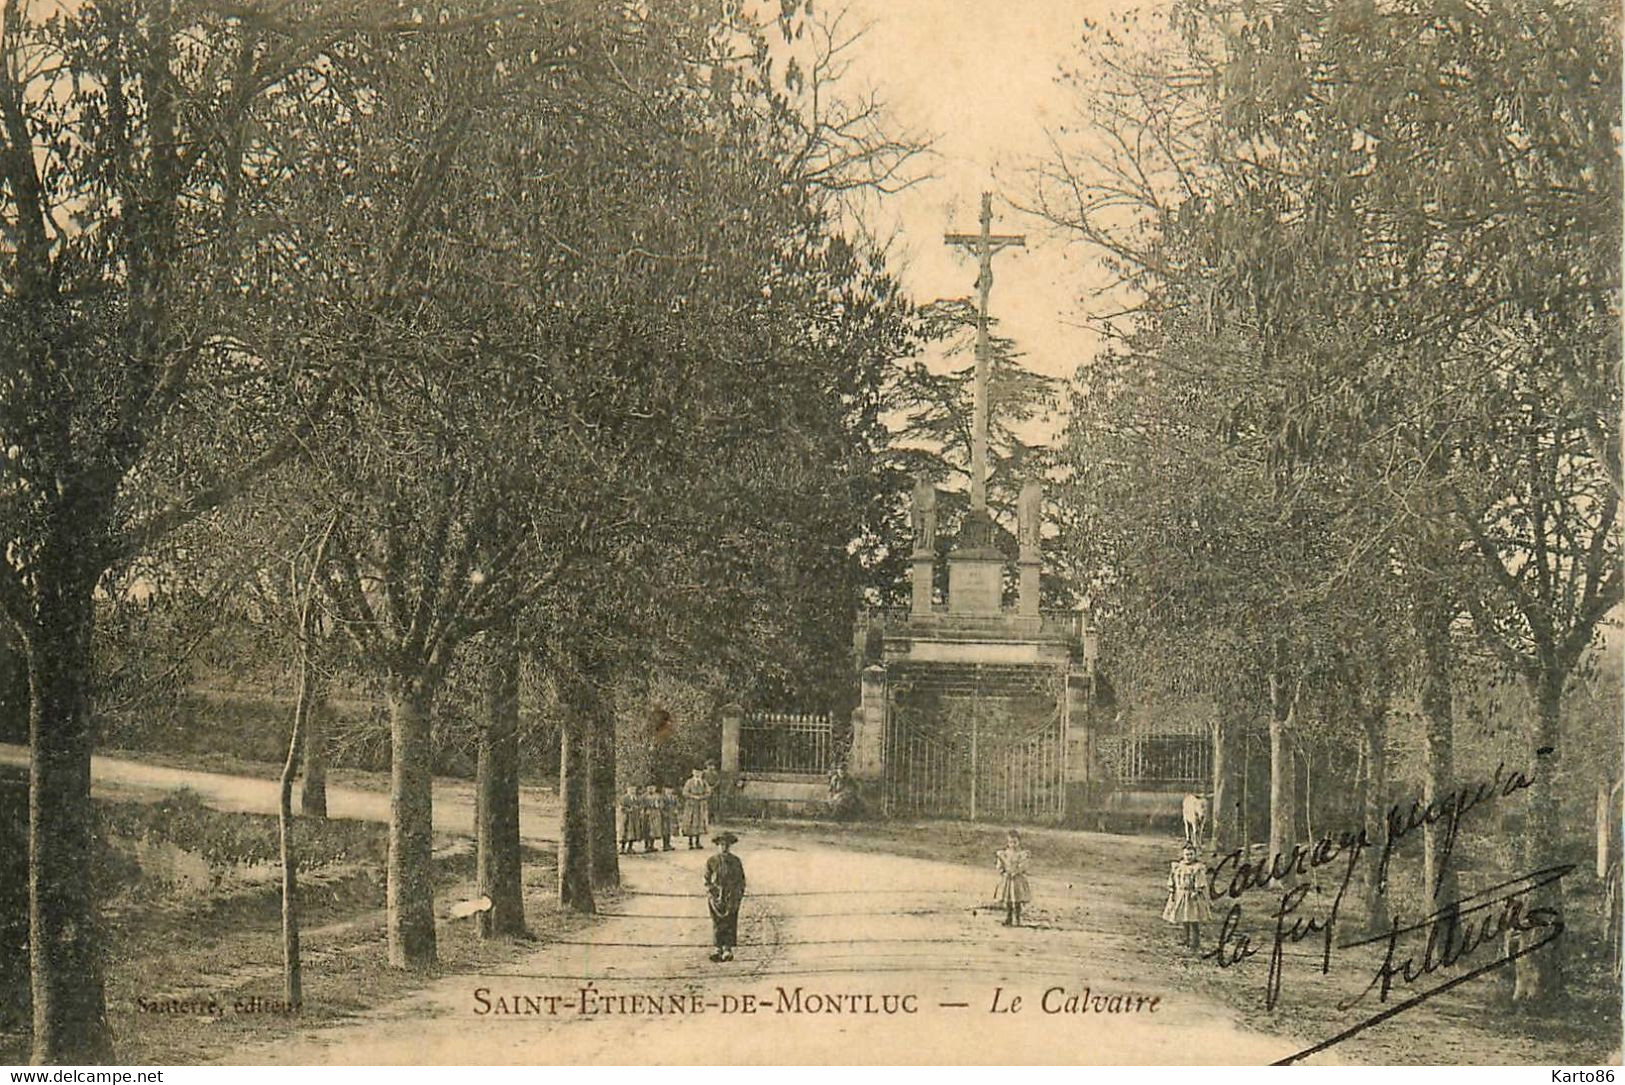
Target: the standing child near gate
(631, 818)
(651, 816)
(1014, 890)
(696, 808)
(668, 817)
(1188, 902)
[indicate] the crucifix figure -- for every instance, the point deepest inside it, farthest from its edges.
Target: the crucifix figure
(984, 245)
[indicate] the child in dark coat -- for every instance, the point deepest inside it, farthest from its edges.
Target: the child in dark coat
(725, 890)
(631, 818)
(668, 817)
(651, 816)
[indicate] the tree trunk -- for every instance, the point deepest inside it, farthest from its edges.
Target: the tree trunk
(1605, 825)
(498, 863)
(1244, 811)
(298, 741)
(1225, 810)
(601, 797)
(70, 1008)
(313, 771)
(1539, 975)
(410, 893)
(1309, 792)
(1283, 773)
(575, 816)
(1373, 794)
(1282, 815)
(292, 979)
(1433, 629)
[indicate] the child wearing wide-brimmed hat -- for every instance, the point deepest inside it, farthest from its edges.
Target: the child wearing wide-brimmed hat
(725, 890)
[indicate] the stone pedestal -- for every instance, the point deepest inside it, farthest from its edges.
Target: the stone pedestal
(976, 569)
(868, 757)
(1030, 560)
(924, 567)
(1027, 601)
(924, 513)
(975, 582)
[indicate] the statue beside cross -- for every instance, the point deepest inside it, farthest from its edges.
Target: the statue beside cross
(924, 510)
(1029, 516)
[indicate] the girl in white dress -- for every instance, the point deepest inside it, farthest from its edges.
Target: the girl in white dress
(1014, 889)
(1188, 902)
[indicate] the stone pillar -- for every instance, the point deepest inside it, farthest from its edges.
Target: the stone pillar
(1080, 730)
(725, 799)
(1028, 587)
(1080, 783)
(868, 757)
(733, 717)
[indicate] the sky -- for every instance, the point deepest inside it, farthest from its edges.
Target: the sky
(980, 77)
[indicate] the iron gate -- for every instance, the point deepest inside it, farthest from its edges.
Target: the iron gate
(977, 741)
(791, 742)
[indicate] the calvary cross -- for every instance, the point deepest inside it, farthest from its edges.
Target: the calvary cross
(984, 244)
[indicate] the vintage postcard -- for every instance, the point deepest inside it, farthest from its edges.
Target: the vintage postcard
(791, 533)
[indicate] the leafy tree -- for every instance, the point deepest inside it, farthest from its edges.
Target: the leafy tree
(1482, 294)
(1351, 190)
(134, 172)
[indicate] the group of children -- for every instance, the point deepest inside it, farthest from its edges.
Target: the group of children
(660, 813)
(646, 815)
(1187, 905)
(654, 812)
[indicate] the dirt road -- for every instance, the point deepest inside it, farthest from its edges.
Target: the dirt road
(453, 801)
(832, 939)
(821, 926)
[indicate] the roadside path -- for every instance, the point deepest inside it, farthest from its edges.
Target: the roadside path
(453, 800)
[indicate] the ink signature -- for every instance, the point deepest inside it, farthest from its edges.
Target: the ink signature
(1454, 931)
